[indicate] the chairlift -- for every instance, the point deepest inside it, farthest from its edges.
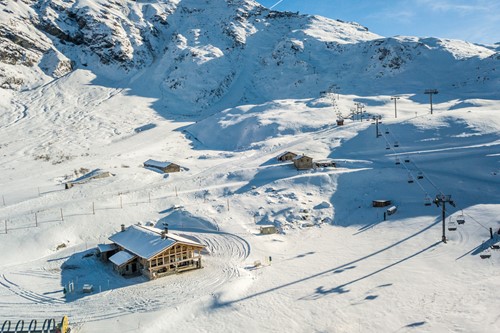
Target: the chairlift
(461, 218)
(386, 131)
(485, 254)
(420, 175)
(396, 144)
(452, 225)
(410, 178)
(398, 161)
(388, 146)
(427, 201)
(407, 159)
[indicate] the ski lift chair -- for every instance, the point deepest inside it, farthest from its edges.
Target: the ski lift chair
(386, 131)
(410, 178)
(388, 146)
(396, 144)
(461, 218)
(427, 201)
(398, 161)
(407, 159)
(452, 225)
(420, 175)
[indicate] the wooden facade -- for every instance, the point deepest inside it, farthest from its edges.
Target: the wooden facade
(166, 167)
(286, 156)
(303, 162)
(153, 252)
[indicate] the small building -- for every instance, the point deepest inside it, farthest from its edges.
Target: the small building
(94, 174)
(107, 250)
(340, 121)
(324, 164)
(166, 167)
(153, 252)
(381, 203)
(267, 229)
(303, 162)
(286, 156)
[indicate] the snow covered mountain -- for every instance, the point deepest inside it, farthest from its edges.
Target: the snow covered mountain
(196, 55)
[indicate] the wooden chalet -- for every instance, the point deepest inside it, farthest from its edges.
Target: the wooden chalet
(286, 156)
(166, 167)
(303, 162)
(152, 252)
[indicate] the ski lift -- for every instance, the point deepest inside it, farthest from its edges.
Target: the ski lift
(452, 225)
(427, 201)
(388, 146)
(396, 144)
(398, 161)
(485, 254)
(461, 218)
(410, 178)
(407, 159)
(420, 175)
(386, 131)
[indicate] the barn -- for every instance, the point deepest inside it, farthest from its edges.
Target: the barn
(152, 252)
(303, 162)
(286, 156)
(166, 167)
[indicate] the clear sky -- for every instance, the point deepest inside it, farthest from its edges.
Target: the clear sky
(475, 21)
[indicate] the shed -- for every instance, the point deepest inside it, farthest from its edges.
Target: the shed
(286, 156)
(303, 162)
(166, 167)
(154, 252)
(340, 122)
(267, 229)
(381, 203)
(107, 250)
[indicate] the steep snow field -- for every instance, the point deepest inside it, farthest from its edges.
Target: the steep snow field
(335, 266)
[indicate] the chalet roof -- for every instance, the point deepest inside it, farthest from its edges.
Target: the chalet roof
(122, 257)
(300, 157)
(157, 164)
(106, 247)
(146, 242)
(286, 152)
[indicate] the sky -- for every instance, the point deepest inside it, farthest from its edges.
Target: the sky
(476, 21)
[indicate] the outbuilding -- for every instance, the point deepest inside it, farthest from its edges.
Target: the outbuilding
(303, 162)
(153, 252)
(166, 167)
(381, 203)
(286, 156)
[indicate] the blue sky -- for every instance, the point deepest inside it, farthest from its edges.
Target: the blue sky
(475, 21)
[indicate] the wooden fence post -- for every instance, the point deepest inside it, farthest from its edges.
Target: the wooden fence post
(62, 216)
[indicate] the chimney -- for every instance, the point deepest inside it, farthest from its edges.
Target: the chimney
(163, 234)
(165, 227)
(123, 227)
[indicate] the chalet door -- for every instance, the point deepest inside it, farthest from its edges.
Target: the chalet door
(134, 267)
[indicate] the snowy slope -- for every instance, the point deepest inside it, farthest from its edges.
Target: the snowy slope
(221, 89)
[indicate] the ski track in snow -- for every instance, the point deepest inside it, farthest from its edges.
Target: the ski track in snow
(226, 253)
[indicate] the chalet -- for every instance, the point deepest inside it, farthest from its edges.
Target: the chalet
(152, 252)
(303, 162)
(286, 156)
(166, 167)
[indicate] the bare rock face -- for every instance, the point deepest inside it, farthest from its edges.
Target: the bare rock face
(217, 53)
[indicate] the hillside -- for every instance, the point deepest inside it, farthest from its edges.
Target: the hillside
(222, 88)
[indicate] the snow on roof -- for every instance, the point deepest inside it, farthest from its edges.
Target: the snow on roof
(300, 156)
(287, 152)
(146, 242)
(106, 247)
(122, 258)
(157, 164)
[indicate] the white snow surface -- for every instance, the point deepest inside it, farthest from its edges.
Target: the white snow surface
(335, 265)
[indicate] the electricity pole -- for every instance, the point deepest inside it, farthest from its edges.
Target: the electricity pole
(395, 98)
(441, 200)
(431, 92)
